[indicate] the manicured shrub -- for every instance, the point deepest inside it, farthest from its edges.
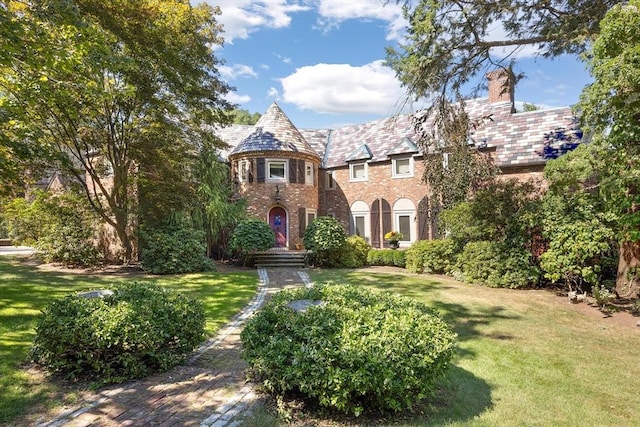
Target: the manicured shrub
(388, 257)
(353, 253)
(496, 265)
(252, 235)
(174, 250)
(140, 329)
(355, 350)
(431, 256)
(325, 237)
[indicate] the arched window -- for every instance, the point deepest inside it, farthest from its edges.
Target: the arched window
(359, 223)
(404, 220)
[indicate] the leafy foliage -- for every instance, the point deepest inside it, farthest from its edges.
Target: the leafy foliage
(138, 330)
(388, 257)
(60, 226)
(325, 237)
(244, 117)
(174, 250)
(93, 89)
(431, 256)
(609, 108)
(353, 253)
(356, 350)
(497, 265)
(252, 235)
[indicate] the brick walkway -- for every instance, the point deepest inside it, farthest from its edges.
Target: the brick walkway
(209, 390)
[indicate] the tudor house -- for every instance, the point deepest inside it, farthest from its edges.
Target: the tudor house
(369, 176)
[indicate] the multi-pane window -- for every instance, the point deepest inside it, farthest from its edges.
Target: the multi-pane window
(358, 172)
(329, 183)
(311, 216)
(243, 170)
(359, 224)
(404, 226)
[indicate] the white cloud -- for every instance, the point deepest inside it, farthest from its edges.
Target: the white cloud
(334, 12)
(236, 70)
(242, 17)
(234, 98)
(273, 93)
(343, 88)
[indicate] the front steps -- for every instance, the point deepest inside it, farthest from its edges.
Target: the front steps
(280, 258)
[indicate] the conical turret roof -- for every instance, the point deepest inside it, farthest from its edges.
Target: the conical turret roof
(274, 132)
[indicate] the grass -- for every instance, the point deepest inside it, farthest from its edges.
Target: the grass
(525, 358)
(25, 290)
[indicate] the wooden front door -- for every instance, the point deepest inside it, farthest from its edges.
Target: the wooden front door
(278, 223)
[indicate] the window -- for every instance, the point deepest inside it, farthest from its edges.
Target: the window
(445, 160)
(311, 216)
(402, 167)
(277, 170)
(329, 181)
(360, 219)
(308, 168)
(404, 220)
(358, 172)
(243, 170)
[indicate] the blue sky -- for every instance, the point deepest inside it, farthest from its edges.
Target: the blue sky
(323, 61)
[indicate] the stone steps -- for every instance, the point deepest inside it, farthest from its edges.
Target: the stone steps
(280, 258)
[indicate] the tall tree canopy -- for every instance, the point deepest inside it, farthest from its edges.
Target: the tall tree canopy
(451, 42)
(115, 94)
(610, 109)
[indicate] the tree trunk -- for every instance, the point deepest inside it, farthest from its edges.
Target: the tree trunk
(628, 278)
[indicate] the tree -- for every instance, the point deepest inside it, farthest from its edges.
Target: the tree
(113, 94)
(243, 117)
(609, 109)
(451, 42)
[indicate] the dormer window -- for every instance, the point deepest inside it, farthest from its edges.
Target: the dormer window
(357, 172)
(402, 167)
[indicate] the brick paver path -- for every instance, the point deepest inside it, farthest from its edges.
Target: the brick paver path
(209, 390)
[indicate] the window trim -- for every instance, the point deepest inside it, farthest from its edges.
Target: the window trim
(394, 168)
(412, 228)
(308, 179)
(246, 164)
(351, 170)
(329, 181)
(308, 211)
(285, 167)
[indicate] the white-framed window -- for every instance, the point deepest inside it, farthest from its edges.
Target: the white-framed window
(445, 160)
(402, 167)
(243, 170)
(357, 172)
(329, 183)
(311, 216)
(360, 220)
(404, 220)
(277, 170)
(308, 173)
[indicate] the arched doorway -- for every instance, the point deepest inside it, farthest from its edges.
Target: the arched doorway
(278, 223)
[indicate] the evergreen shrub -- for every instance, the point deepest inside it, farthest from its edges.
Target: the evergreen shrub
(386, 257)
(138, 330)
(496, 265)
(325, 237)
(174, 250)
(353, 253)
(252, 235)
(431, 256)
(355, 350)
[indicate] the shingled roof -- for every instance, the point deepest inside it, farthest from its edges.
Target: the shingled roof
(274, 132)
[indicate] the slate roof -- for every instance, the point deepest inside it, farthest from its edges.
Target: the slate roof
(274, 132)
(517, 138)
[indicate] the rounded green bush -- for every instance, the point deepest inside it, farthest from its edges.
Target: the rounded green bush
(492, 264)
(138, 330)
(353, 253)
(431, 256)
(325, 237)
(386, 257)
(356, 349)
(174, 250)
(252, 235)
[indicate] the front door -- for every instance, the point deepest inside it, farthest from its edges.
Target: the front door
(278, 223)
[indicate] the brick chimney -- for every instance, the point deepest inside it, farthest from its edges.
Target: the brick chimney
(501, 86)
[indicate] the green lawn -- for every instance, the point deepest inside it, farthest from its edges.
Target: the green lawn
(25, 290)
(525, 358)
